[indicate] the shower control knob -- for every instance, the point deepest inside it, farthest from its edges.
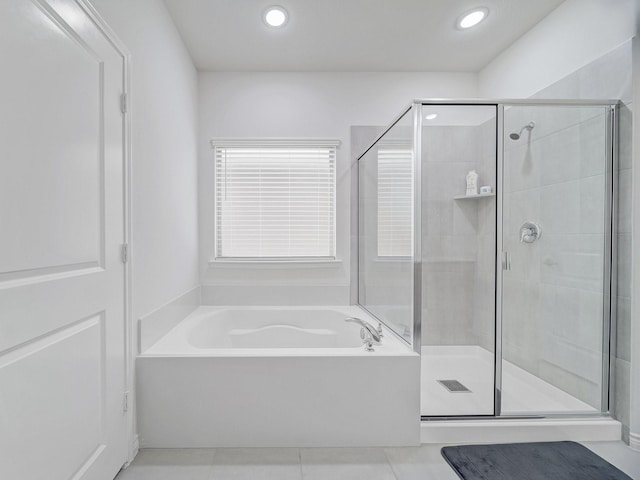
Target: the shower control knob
(530, 232)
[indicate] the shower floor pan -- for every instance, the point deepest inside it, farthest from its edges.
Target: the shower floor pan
(472, 366)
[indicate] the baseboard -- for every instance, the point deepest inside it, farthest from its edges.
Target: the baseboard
(133, 450)
(634, 441)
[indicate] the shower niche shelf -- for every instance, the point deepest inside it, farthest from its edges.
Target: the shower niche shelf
(474, 197)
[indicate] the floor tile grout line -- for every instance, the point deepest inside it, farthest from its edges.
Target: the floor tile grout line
(393, 471)
(214, 452)
(300, 463)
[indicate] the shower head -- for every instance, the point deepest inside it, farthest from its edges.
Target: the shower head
(516, 136)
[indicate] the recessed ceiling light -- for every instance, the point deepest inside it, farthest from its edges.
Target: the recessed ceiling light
(472, 18)
(431, 116)
(275, 16)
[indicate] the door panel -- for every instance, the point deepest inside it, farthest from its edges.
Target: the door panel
(557, 176)
(62, 294)
(64, 437)
(60, 160)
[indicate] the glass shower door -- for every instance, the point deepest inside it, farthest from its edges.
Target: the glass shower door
(385, 260)
(458, 260)
(556, 239)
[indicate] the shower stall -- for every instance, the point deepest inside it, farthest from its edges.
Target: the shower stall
(504, 289)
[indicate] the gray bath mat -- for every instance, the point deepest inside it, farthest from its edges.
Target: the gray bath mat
(530, 461)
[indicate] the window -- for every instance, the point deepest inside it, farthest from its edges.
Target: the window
(395, 199)
(275, 200)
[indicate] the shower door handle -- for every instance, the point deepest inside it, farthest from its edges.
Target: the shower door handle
(506, 261)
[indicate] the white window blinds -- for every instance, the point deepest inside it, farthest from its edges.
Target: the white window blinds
(395, 197)
(275, 202)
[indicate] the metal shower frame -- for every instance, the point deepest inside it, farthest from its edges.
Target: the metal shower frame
(610, 250)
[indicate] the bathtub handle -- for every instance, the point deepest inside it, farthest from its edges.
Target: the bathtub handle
(368, 344)
(368, 333)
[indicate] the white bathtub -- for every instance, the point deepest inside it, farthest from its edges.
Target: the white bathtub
(276, 376)
(272, 331)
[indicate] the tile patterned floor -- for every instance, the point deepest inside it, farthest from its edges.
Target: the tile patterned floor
(408, 463)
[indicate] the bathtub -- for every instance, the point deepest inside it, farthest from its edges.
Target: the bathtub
(276, 377)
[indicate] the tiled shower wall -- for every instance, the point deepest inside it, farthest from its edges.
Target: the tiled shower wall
(552, 294)
(458, 236)
(551, 320)
(609, 77)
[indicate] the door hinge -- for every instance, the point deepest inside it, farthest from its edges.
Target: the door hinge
(124, 252)
(125, 402)
(123, 103)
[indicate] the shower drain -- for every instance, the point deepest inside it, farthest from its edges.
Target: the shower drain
(453, 386)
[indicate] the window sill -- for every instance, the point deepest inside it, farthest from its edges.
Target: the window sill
(424, 261)
(276, 263)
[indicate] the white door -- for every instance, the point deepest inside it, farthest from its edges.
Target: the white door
(62, 294)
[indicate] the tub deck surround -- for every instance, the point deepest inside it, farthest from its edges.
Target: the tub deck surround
(277, 377)
(272, 331)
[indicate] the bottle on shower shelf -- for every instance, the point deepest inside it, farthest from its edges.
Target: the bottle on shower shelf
(472, 183)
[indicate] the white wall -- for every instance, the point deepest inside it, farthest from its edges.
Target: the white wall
(299, 105)
(576, 33)
(164, 159)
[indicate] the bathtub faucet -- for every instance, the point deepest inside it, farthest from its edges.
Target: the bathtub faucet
(368, 333)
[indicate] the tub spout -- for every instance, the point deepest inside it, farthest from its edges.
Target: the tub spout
(369, 333)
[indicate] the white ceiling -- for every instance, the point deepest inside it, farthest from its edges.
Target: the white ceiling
(351, 35)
